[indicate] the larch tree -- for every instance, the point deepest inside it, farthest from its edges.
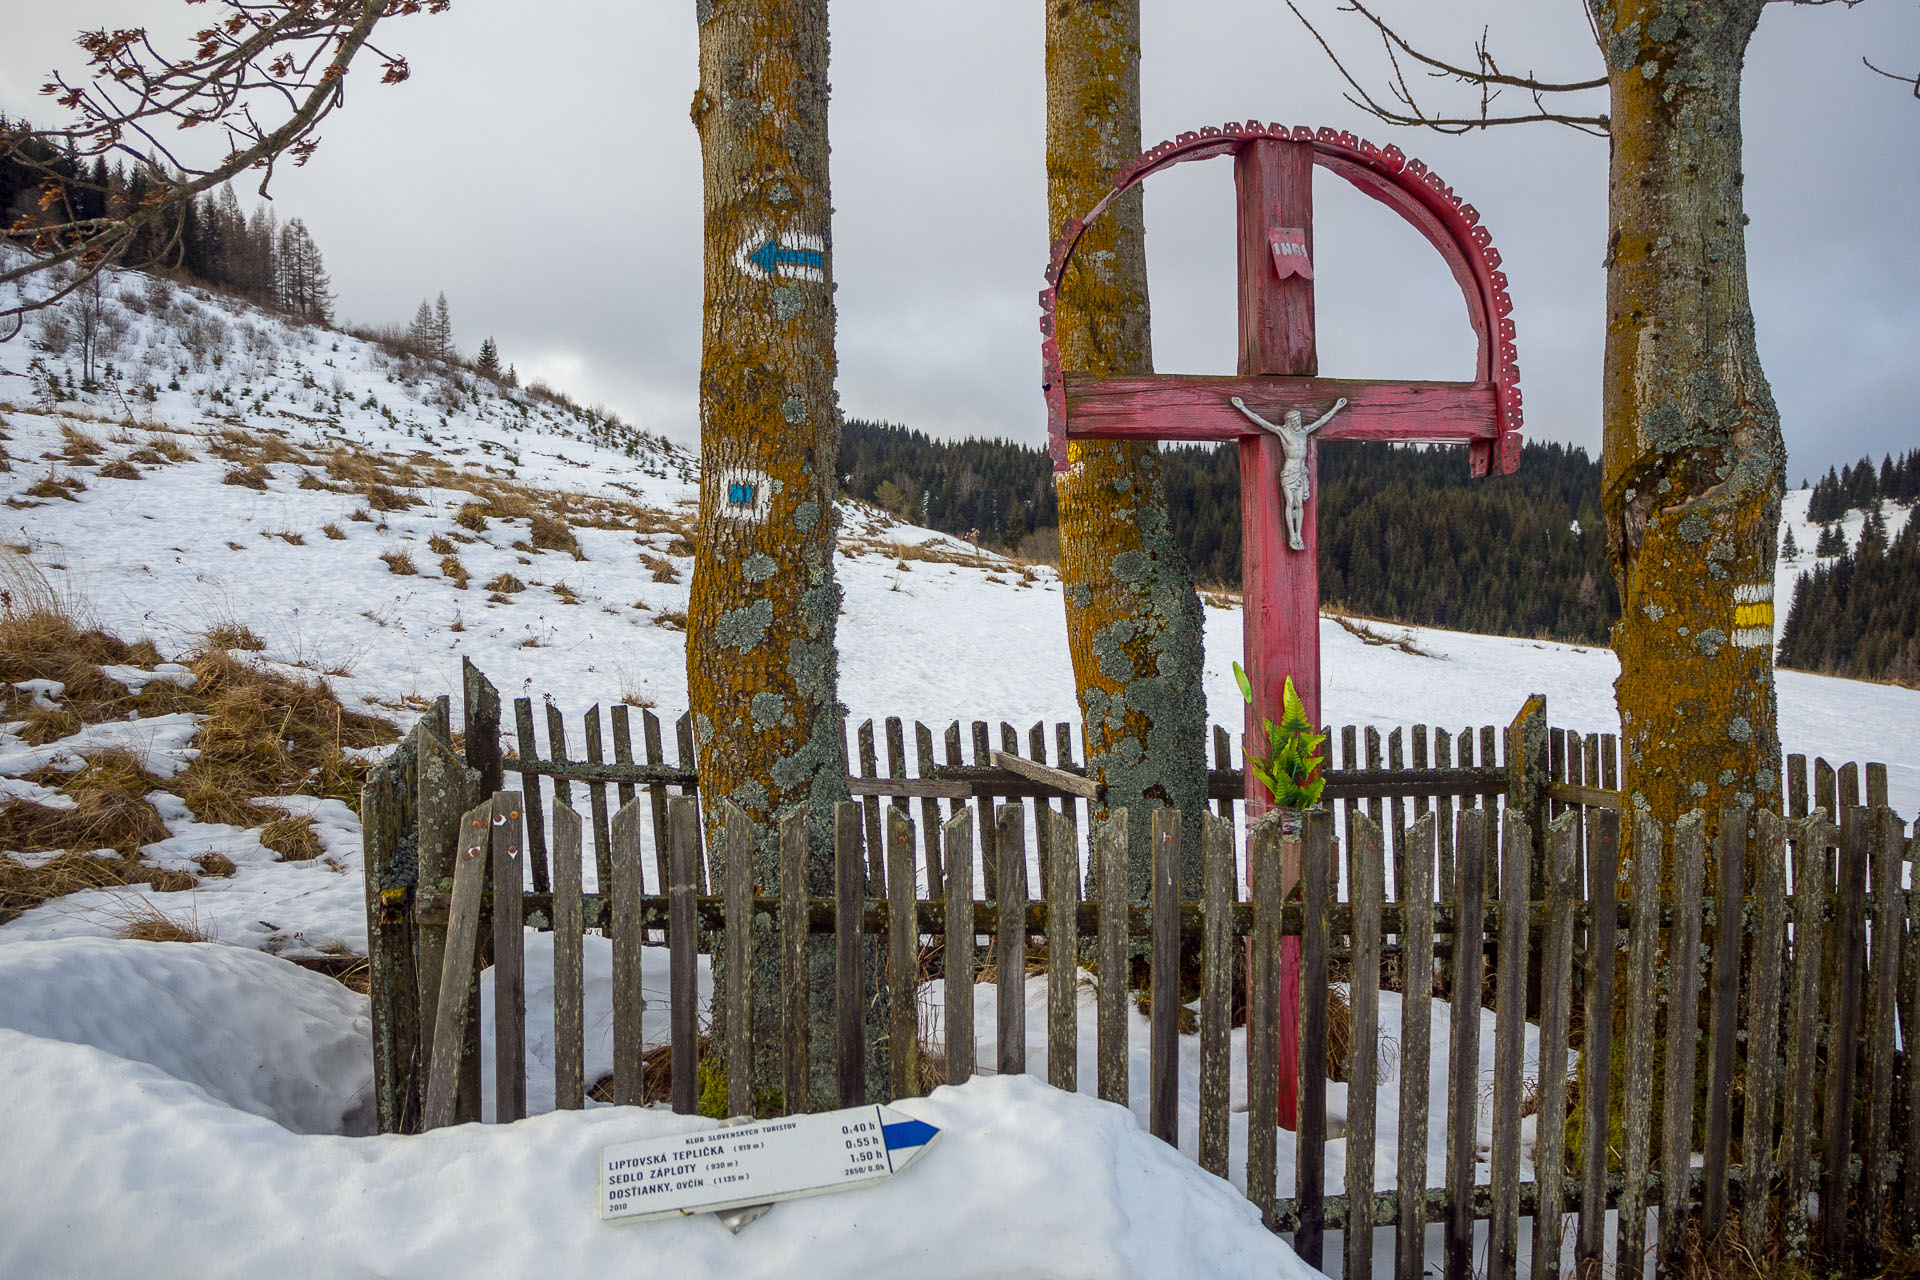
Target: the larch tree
(761, 666)
(1133, 615)
(1693, 465)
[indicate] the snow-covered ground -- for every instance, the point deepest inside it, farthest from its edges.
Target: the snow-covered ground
(184, 1109)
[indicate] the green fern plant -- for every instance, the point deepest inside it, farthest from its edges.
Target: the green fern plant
(1290, 769)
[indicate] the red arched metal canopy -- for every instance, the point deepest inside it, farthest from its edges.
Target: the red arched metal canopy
(1407, 187)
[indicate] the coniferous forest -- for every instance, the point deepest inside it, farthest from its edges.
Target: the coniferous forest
(1405, 533)
(1859, 615)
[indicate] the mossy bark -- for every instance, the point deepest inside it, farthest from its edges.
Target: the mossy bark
(761, 671)
(1693, 463)
(1133, 616)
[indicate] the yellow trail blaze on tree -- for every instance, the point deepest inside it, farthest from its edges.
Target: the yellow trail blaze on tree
(1694, 467)
(1133, 616)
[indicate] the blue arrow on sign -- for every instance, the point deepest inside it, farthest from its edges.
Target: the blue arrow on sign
(907, 1133)
(772, 255)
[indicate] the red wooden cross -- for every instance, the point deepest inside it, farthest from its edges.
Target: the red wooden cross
(1279, 367)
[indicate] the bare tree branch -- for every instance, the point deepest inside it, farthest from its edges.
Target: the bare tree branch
(266, 74)
(1913, 80)
(1485, 75)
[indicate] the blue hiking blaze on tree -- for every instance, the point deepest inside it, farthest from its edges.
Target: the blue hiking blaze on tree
(740, 493)
(773, 254)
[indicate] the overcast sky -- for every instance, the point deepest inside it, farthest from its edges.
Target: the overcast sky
(541, 170)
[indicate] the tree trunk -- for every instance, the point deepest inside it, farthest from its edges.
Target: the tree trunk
(1133, 616)
(761, 671)
(1694, 467)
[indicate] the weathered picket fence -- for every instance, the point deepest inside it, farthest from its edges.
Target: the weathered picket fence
(1795, 1089)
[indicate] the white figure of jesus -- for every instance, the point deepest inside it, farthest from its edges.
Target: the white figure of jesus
(1293, 472)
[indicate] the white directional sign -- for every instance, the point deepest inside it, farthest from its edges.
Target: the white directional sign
(757, 1163)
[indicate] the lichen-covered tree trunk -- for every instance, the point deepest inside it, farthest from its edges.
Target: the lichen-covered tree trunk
(1133, 616)
(1694, 467)
(761, 669)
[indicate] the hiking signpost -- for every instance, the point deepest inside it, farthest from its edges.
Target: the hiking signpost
(1278, 408)
(715, 1170)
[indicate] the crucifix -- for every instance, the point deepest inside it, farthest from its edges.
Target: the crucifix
(1278, 390)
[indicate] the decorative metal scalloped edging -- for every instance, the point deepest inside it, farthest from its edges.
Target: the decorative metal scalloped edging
(1355, 159)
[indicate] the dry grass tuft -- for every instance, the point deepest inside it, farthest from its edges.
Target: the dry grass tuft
(671, 619)
(549, 534)
(234, 635)
(663, 570)
(454, 571)
(165, 880)
(472, 517)
(292, 838)
(23, 887)
(215, 865)
(506, 584)
(381, 498)
(333, 531)
(361, 515)
(120, 469)
(148, 457)
(148, 923)
(250, 476)
(399, 561)
(441, 545)
(57, 487)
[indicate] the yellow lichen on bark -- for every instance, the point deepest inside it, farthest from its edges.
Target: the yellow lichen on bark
(1693, 463)
(1133, 616)
(761, 671)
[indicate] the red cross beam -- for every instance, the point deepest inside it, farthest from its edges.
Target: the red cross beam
(1278, 379)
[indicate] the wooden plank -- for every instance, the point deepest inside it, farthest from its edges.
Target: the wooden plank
(1195, 407)
(683, 945)
(597, 798)
(569, 1083)
(622, 722)
(683, 748)
(530, 787)
(656, 797)
(1723, 999)
(849, 980)
(480, 720)
(1876, 785)
(562, 789)
(1010, 942)
(1509, 1043)
(1042, 809)
(1885, 847)
(1826, 789)
(1072, 784)
(1603, 872)
(457, 969)
(1363, 1052)
(1163, 1051)
(1556, 999)
(1223, 763)
(1643, 944)
(1682, 1031)
(958, 834)
(876, 842)
(1849, 785)
(1263, 1012)
(1609, 762)
(930, 819)
(1310, 1139)
(1349, 759)
(737, 995)
(509, 961)
(903, 956)
(1811, 892)
(1443, 820)
(896, 759)
(1843, 981)
(796, 1023)
(1216, 991)
(1796, 786)
(1063, 954)
(1463, 1049)
(988, 808)
(629, 939)
(1763, 1026)
(1909, 1219)
(1416, 1039)
(1110, 852)
(1063, 759)
(1396, 819)
(444, 789)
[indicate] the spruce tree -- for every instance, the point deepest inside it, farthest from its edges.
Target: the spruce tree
(489, 358)
(1789, 549)
(442, 329)
(421, 331)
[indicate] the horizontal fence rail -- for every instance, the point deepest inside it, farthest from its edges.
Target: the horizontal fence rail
(1786, 944)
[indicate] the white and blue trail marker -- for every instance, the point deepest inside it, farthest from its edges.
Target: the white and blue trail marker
(789, 255)
(759, 1163)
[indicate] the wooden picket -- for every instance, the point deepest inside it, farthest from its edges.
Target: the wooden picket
(1795, 943)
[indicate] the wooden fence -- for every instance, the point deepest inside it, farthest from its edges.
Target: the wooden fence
(1795, 1090)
